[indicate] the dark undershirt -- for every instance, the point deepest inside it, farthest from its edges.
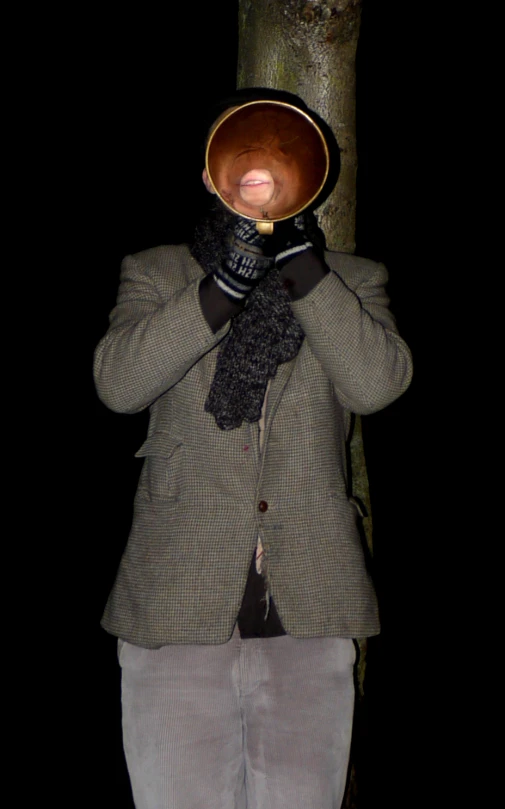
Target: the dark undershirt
(253, 619)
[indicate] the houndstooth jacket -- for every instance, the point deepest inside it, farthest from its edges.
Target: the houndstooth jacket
(205, 495)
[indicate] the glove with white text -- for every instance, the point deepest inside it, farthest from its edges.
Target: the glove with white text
(245, 264)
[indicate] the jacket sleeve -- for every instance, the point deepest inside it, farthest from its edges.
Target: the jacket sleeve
(353, 334)
(152, 341)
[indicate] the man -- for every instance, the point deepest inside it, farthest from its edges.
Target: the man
(243, 583)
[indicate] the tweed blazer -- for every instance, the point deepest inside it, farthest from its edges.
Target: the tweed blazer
(205, 495)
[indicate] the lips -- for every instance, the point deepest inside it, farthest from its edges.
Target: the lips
(256, 178)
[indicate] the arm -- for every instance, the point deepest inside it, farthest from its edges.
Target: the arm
(153, 339)
(348, 325)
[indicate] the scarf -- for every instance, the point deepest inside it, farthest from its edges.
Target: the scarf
(262, 336)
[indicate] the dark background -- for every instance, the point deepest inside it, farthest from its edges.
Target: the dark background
(132, 129)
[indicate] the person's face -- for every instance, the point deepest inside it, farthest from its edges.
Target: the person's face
(256, 184)
(254, 175)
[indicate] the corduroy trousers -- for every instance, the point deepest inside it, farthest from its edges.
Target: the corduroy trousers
(249, 724)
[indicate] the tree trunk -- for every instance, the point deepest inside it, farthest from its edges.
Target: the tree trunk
(309, 48)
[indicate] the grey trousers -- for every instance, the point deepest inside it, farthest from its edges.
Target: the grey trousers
(250, 724)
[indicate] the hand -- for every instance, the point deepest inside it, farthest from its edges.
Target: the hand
(288, 240)
(245, 265)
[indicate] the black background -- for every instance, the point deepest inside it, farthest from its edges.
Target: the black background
(131, 90)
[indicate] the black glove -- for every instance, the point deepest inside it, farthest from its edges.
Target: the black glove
(245, 264)
(287, 241)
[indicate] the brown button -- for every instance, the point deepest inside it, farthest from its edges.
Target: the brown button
(263, 506)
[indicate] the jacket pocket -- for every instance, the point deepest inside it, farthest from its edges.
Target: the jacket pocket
(161, 474)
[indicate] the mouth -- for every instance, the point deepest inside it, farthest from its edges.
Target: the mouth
(255, 178)
(251, 183)
(257, 187)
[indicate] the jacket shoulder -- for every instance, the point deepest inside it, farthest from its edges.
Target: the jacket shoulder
(355, 270)
(167, 258)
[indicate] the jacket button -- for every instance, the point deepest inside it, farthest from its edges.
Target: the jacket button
(263, 506)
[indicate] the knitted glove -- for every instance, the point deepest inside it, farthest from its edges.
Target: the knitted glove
(245, 265)
(287, 241)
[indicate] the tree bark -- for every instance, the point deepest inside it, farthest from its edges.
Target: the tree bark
(309, 48)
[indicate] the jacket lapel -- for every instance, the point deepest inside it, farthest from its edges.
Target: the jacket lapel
(276, 390)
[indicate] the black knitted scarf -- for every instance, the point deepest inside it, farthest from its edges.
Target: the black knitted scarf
(264, 334)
